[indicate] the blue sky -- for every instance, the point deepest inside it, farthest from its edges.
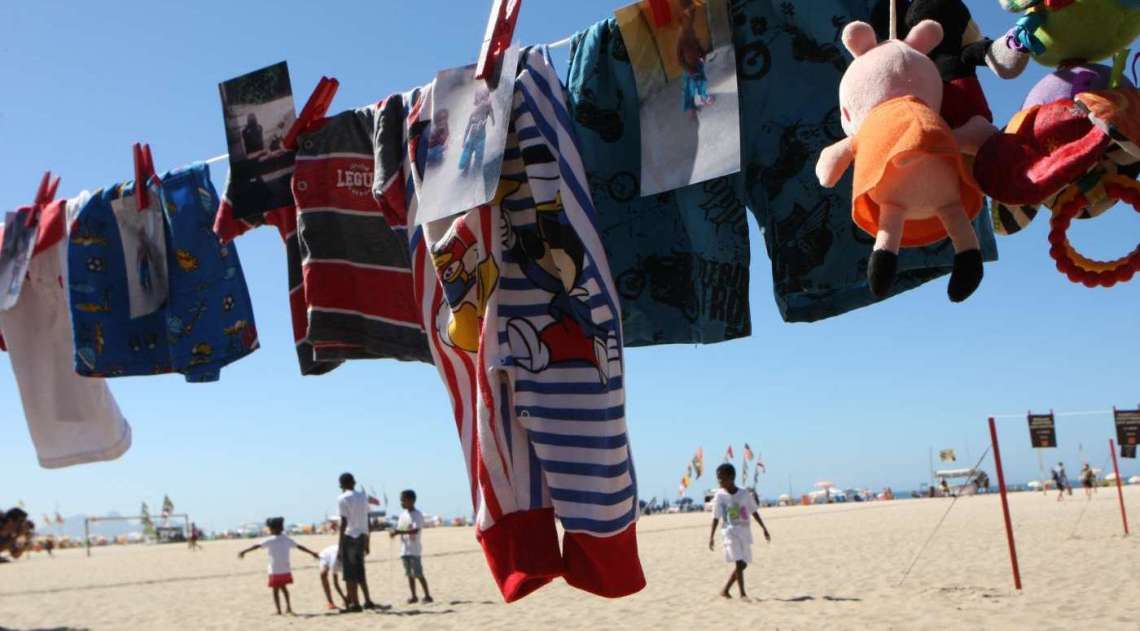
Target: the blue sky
(858, 399)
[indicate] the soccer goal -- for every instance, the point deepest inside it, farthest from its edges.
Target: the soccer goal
(163, 534)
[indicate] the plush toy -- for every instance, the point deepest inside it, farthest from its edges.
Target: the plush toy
(1058, 32)
(962, 51)
(1051, 143)
(911, 187)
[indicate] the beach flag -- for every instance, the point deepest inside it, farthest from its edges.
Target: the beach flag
(699, 462)
(756, 477)
(58, 518)
(47, 520)
(947, 455)
(760, 465)
(167, 506)
(747, 453)
(728, 455)
(744, 473)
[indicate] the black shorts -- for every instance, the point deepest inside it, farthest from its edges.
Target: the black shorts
(352, 558)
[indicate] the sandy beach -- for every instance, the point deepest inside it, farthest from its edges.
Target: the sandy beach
(834, 567)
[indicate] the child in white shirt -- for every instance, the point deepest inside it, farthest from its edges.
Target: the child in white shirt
(735, 505)
(409, 528)
(280, 572)
(330, 564)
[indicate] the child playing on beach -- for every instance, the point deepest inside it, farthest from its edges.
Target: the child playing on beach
(411, 549)
(734, 506)
(280, 573)
(330, 564)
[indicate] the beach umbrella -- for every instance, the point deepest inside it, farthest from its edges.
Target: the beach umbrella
(1034, 484)
(824, 484)
(1134, 479)
(1110, 477)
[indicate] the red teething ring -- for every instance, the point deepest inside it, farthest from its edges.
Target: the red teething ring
(1072, 263)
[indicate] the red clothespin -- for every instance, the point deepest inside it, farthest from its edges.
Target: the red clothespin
(144, 172)
(44, 196)
(662, 14)
(500, 32)
(315, 108)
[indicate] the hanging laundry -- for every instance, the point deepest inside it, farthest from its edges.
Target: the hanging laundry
(357, 275)
(680, 259)
(523, 322)
(234, 219)
(121, 258)
(72, 420)
(350, 283)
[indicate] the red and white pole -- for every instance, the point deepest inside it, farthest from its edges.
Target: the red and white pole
(1005, 507)
(1119, 487)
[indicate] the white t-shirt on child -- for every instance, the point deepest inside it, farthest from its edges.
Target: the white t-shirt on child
(410, 545)
(330, 559)
(735, 512)
(278, 548)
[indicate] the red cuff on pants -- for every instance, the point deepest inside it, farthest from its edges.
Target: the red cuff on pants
(606, 566)
(522, 552)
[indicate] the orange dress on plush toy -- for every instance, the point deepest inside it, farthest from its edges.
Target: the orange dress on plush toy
(892, 131)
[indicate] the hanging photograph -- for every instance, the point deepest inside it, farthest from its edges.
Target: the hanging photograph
(15, 254)
(258, 110)
(465, 141)
(686, 86)
(142, 233)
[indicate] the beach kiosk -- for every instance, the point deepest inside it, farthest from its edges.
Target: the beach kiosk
(968, 477)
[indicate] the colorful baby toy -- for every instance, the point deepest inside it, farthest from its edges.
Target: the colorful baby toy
(1073, 146)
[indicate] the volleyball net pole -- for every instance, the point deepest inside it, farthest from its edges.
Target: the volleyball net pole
(1119, 486)
(1005, 506)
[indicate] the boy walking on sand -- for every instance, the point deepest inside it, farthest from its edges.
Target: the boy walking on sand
(280, 572)
(735, 506)
(411, 548)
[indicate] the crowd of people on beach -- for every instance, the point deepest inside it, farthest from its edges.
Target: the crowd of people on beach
(345, 559)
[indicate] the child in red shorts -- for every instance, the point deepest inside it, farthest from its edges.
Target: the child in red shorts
(280, 573)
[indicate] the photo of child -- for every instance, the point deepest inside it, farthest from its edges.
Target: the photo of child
(15, 255)
(686, 83)
(461, 175)
(258, 109)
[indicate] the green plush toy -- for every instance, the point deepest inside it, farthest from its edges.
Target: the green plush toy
(1059, 31)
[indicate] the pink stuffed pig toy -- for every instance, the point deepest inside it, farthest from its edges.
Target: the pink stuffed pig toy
(911, 186)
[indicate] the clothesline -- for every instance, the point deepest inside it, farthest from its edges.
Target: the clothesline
(562, 43)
